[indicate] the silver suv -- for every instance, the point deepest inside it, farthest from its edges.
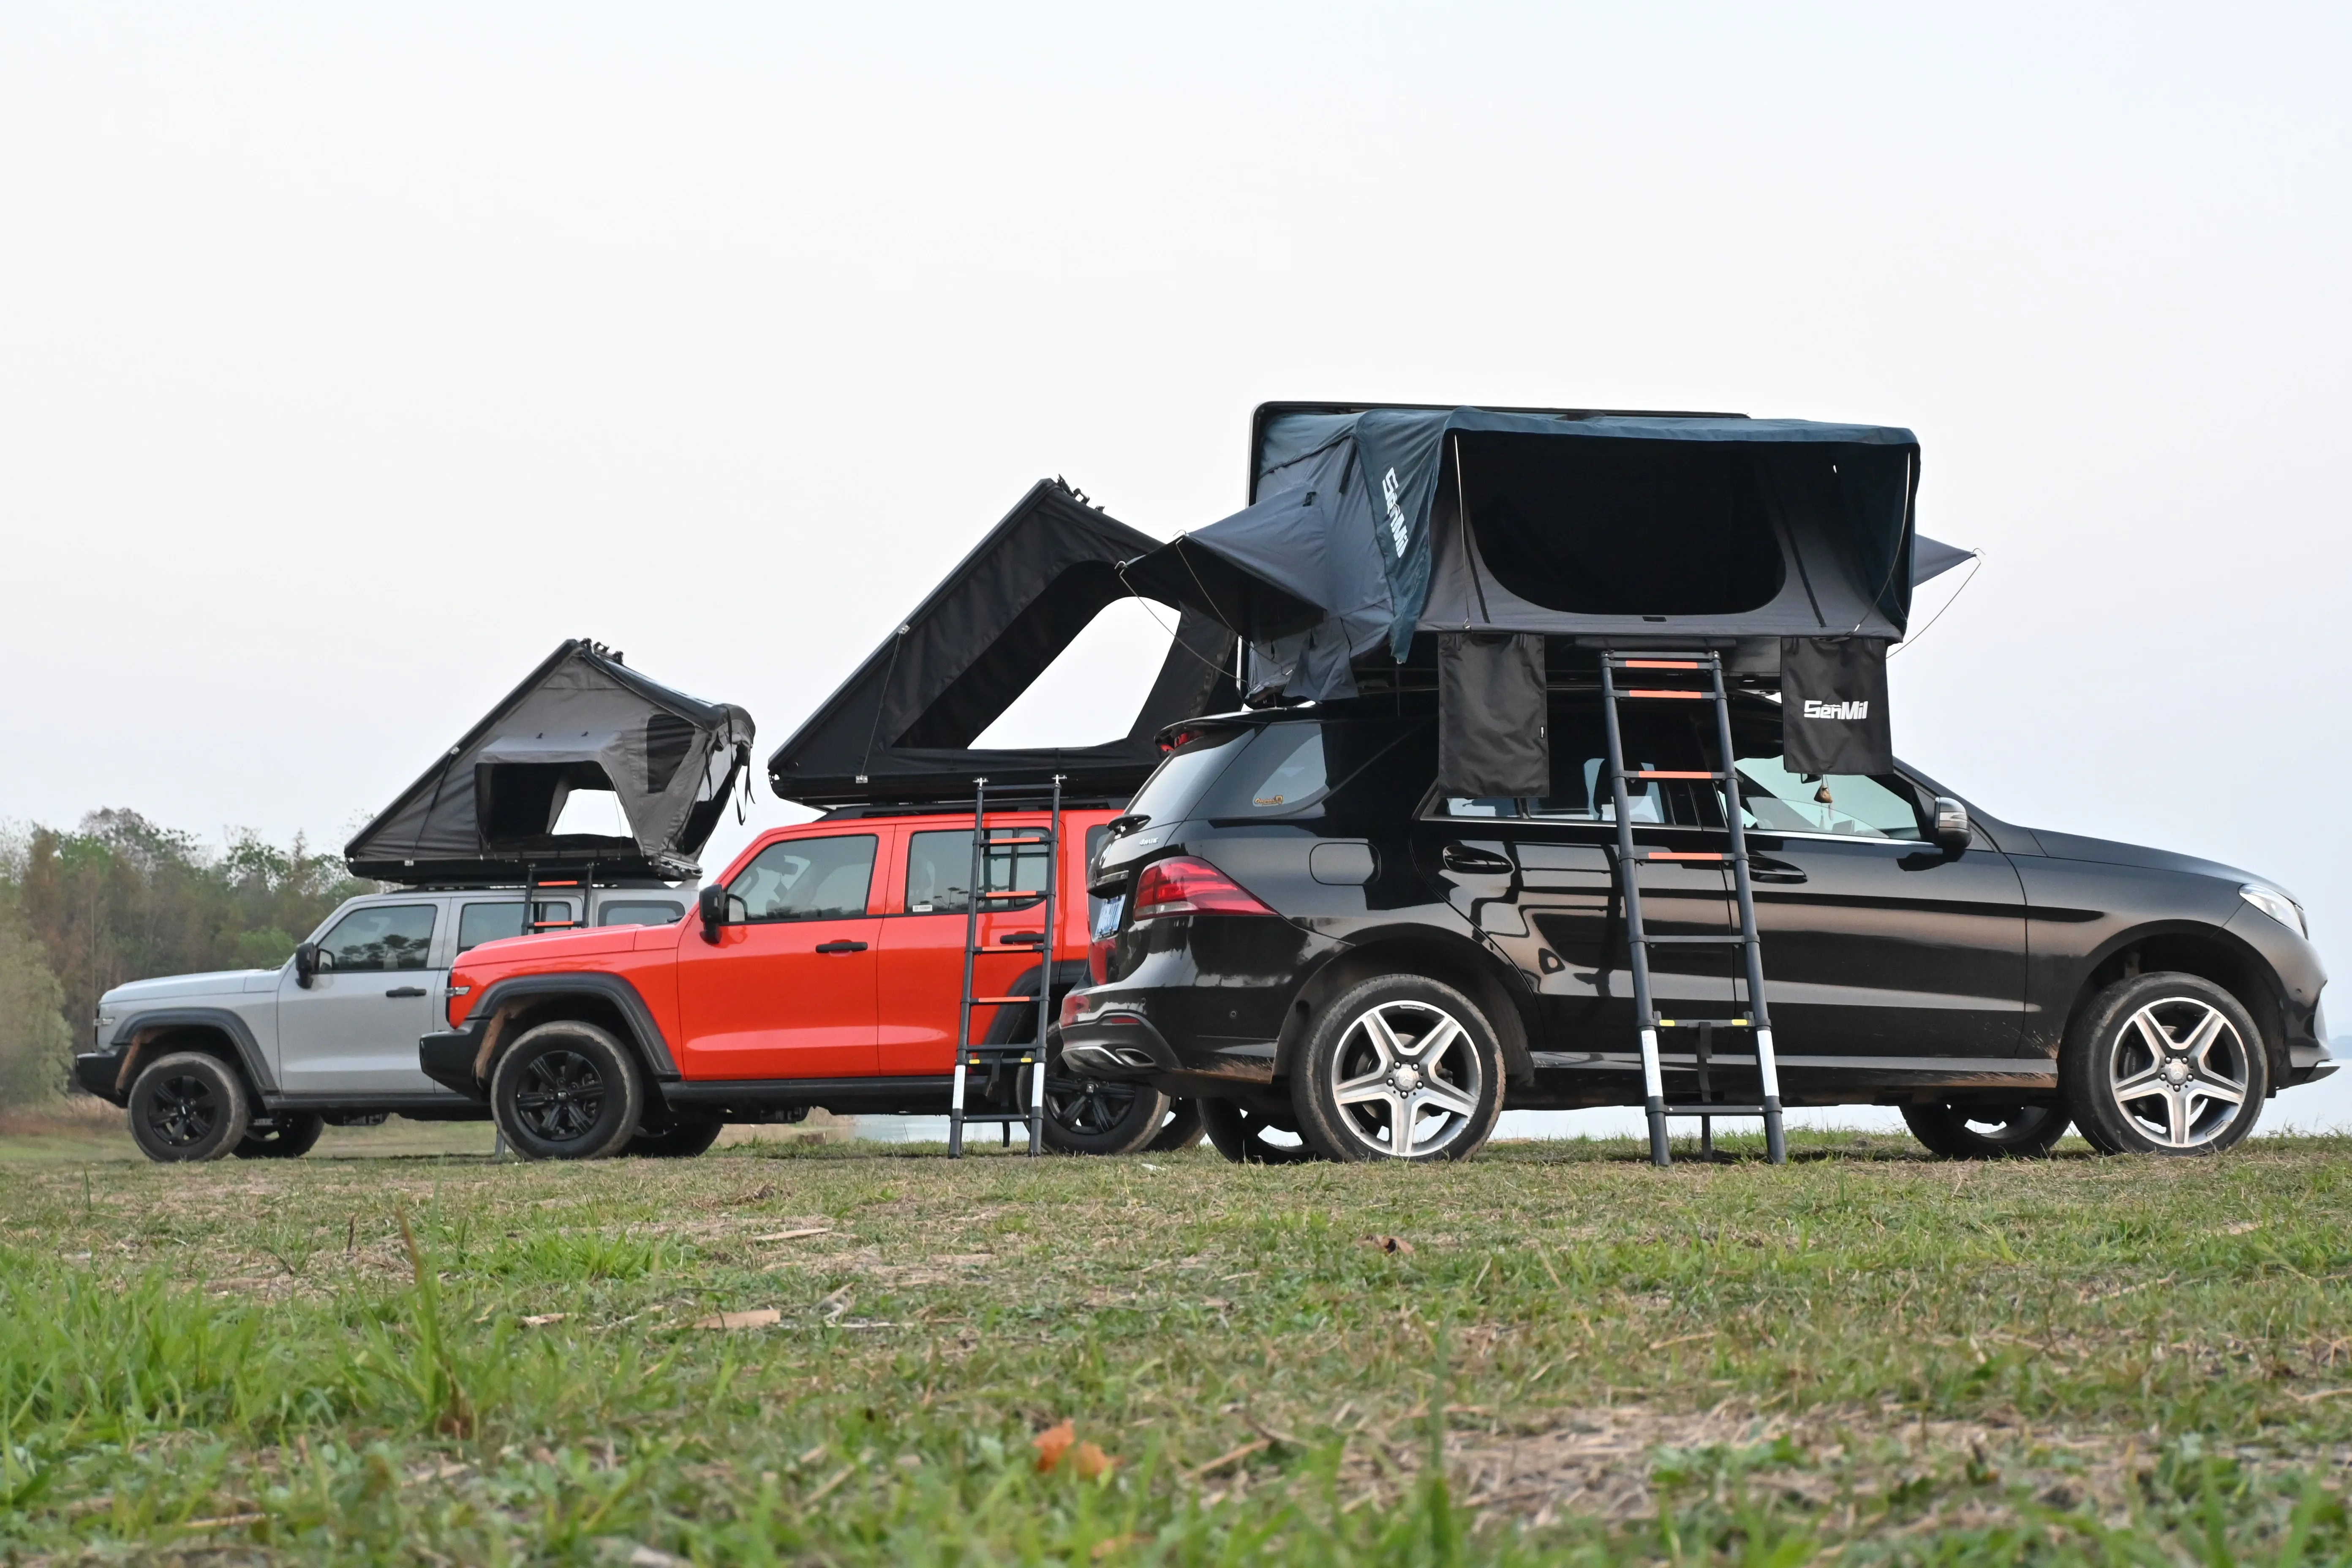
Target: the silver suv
(257, 1062)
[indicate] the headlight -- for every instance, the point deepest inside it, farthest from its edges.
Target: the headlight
(2276, 905)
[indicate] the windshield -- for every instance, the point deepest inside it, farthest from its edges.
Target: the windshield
(1185, 775)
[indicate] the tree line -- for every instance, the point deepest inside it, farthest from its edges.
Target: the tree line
(121, 899)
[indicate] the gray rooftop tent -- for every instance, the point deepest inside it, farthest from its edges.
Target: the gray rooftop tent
(901, 728)
(1370, 528)
(582, 720)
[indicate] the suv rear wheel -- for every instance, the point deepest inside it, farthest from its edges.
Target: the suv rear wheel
(1987, 1131)
(1181, 1130)
(2165, 1064)
(188, 1106)
(1088, 1116)
(681, 1137)
(288, 1136)
(1239, 1133)
(567, 1090)
(1400, 1067)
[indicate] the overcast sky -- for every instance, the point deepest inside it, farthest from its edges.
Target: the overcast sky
(349, 359)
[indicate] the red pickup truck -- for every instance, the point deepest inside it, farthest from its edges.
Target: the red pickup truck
(824, 969)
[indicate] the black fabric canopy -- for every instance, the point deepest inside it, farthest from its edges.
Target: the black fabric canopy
(1371, 525)
(582, 720)
(901, 727)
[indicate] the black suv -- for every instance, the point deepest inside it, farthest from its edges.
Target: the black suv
(1301, 932)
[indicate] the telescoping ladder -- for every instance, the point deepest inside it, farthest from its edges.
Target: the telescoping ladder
(973, 1056)
(1677, 671)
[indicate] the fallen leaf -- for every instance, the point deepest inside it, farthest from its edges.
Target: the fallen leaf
(1215, 1303)
(1394, 1246)
(1683, 1339)
(226, 1522)
(796, 1234)
(758, 1319)
(1053, 1442)
(1111, 1543)
(541, 1319)
(2240, 1229)
(1090, 1461)
(1231, 1456)
(834, 1305)
(653, 1557)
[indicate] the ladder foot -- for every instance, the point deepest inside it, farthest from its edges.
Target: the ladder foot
(1776, 1143)
(1660, 1154)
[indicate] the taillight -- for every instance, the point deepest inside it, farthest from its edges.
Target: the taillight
(1186, 886)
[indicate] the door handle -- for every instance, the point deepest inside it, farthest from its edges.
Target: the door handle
(1454, 857)
(841, 947)
(1760, 870)
(406, 991)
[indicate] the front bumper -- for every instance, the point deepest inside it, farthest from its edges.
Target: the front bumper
(99, 1071)
(448, 1058)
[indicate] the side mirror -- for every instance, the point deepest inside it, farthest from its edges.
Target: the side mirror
(712, 905)
(1951, 824)
(306, 964)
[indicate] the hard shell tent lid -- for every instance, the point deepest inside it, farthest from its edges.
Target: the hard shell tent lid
(1591, 526)
(582, 720)
(901, 728)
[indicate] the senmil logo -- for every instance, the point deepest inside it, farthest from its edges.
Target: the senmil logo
(1816, 708)
(1390, 490)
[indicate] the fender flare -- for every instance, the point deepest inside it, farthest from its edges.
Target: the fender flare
(240, 1037)
(624, 996)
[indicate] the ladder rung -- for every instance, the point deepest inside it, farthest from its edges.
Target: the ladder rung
(999, 1001)
(1661, 664)
(974, 1055)
(1663, 774)
(1660, 692)
(1703, 1108)
(995, 1119)
(1736, 940)
(995, 843)
(1704, 1023)
(1707, 855)
(1020, 893)
(1015, 947)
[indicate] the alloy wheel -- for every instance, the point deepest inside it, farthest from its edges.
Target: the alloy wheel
(2179, 1071)
(1407, 1078)
(560, 1096)
(1087, 1105)
(183, 1110)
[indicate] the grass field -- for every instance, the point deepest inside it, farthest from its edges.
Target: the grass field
(1866, 1356)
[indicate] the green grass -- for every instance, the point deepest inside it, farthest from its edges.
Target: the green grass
(1867, 1356)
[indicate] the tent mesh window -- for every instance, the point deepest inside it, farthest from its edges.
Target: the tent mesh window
(1621, 528)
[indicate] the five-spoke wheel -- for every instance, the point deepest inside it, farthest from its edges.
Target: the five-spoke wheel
(2165, 1064)
(1399, 1067)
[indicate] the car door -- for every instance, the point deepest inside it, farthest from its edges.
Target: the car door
(922, 969)
(353, 1031)
(1881, 948)
(787, 989)
(1564, 851)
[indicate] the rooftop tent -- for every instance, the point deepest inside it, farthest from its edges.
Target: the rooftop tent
(901, 727)
(582, 720)
(1579, 525)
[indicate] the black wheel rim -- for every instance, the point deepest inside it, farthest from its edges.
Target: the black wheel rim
(560, 1096)
(182, 1109)
(1086, 1108)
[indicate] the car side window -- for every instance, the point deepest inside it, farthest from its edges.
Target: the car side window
(806, 879)
(939, 872)
(1848, 806)
(640, 912)
(481, 922)
(379, 938)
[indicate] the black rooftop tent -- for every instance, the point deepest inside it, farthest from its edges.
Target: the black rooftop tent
(1699, 529)
(901, 728)
(582, 720)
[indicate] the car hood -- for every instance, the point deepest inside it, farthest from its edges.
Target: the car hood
(552, 945)
(2107, 852)
(172, 987)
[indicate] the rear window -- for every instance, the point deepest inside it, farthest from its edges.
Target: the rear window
(1185, 775)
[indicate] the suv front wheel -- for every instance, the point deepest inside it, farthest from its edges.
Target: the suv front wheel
(2165, 1064)
(567, 1090)
(188, 1106)
(1401, 1067)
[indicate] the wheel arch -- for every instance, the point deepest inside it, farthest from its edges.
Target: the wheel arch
(2210, 953)
(512, 1008)
(1467, 967)
(210, 1031)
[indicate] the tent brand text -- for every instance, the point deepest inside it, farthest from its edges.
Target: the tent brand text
(1390, 490)
(1816, 708)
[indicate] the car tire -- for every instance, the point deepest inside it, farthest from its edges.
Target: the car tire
(683, 1138)
(188, 1106)
(567, 1090)
(1089, 1115)
(1987, 1131)
(1183, 1128)
(288, 1135)
(1385, 1055)
(2165, 1064)
(1239, 1133)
